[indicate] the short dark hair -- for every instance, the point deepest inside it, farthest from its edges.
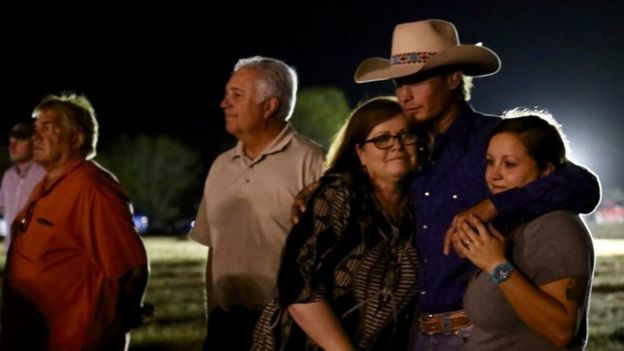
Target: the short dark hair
(22, 130)
(543, 140)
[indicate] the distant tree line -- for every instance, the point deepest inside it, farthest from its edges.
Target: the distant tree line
(164, 176)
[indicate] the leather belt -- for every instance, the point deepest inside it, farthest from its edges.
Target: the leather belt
(443, 322)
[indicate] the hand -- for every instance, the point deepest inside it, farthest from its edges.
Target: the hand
(485, 247)
(109, 336)
(299, 204)
(137, 316)
(484, 211)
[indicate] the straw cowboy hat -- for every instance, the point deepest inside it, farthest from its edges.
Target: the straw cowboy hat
(424, 45)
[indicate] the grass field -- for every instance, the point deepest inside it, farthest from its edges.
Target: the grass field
(176, 288)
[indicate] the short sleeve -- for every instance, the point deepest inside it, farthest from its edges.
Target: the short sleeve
(201, 230)
(108, 231)
(556, 245)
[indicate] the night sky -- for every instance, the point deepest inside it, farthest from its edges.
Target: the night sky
(162, 70)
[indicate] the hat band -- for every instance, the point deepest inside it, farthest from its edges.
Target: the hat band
(411, 57)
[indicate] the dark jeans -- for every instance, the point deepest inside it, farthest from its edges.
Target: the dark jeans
(231, 329)
(455, 341)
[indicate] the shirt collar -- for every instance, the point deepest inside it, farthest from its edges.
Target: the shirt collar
(278, 144)
(41, 189)
(22, 173)
(461, 127)
(458, 133)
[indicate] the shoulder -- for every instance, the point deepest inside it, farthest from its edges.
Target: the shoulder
(337, 182)
(91, 178)
(226, 156)
(307, 145)
(335, 193)
(555, 220)
(329, 209)
(7, 174)
(38, 170)
(555, 245)
(485, 123)
(91, 171)
(564, 228)
(10, 171)
(475, 127)
(223, 159)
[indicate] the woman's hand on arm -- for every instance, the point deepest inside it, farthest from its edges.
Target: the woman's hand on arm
(319, 322)
(485, 247)
(484, 211)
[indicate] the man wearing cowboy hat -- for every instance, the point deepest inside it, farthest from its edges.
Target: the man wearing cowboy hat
(431, 71)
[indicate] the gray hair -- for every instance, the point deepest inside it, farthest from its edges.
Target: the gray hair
(78, 111)
(277, 80)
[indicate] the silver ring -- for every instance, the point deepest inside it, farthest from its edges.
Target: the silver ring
(467, 242)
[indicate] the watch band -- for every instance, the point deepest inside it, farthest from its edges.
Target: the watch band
(501, 273)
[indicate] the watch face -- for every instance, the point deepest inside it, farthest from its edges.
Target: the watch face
(501, 273)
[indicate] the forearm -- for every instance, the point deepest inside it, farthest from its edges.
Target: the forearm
(571, 188)
(320, 323)
(541, 312)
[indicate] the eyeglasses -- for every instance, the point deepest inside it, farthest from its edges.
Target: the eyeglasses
(385, 141)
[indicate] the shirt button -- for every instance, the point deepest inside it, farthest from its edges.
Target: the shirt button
(454, 196)
(423, 292)
(424, 226)
(425, 260)
(427, 193)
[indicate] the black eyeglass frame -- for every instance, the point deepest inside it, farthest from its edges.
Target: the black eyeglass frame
(403, 139)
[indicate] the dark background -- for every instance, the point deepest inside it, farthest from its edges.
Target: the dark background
(161, 70)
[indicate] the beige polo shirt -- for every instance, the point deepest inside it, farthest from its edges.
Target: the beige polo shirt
(244, 215)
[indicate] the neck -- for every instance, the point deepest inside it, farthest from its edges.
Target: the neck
(22, 167)
(448, 117)
(390, 196)
(53, 173)
(255, 143)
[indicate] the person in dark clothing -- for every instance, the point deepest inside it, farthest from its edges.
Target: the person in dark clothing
(432, 74)
(347, 278)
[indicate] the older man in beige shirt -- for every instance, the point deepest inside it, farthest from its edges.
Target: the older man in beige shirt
(244, 213)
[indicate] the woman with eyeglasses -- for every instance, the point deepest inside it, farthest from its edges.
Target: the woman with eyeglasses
(348, 272)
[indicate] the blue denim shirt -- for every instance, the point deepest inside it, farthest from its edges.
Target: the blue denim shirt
(454, 180)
